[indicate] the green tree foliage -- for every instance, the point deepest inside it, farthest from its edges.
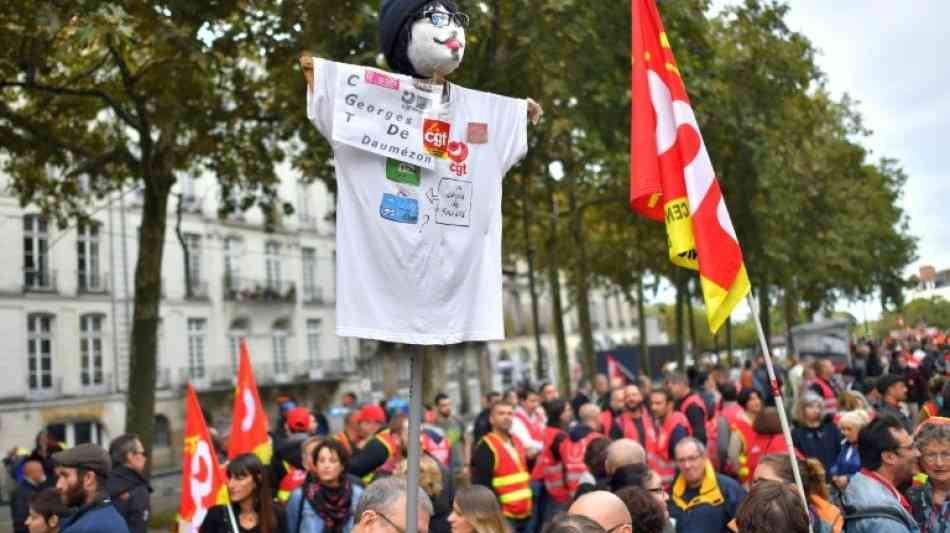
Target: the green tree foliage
(932, 312)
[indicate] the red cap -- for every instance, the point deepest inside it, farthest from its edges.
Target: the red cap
(372, 413)
(298, 419)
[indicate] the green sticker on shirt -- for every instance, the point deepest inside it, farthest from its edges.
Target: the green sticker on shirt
(403, 172)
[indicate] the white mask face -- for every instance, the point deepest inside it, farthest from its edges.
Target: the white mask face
(437, 43)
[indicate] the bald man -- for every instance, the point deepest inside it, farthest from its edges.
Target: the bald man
(604, 508)
(624, 452)
(34, 480)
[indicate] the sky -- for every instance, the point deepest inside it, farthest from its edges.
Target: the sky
(891, 58)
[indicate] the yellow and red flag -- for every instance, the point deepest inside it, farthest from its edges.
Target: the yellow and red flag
(671, 175)
(248, 422)
(202, 481)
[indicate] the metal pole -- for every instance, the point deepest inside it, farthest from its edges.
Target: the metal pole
(415, 438)
(779, 405)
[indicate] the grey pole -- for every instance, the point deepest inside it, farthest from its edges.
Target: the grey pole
(415, 438)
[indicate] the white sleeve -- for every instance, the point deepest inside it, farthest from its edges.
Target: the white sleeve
(320, 100)
(518, 429)
(511, 119)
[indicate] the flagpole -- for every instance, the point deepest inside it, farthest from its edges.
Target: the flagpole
(780, 406)
(415, 438)
(231, 518)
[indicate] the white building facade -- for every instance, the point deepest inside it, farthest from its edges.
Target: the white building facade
(66, 307)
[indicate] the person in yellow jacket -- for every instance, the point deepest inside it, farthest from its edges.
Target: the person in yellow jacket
(499, 463)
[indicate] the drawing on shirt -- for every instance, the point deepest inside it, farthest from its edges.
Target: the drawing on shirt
(454, 202)
(403, 172)
(399, 209)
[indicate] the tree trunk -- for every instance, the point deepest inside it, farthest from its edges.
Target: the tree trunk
(557, 312)
(729, 340)
(765, 312)
(529, 254)
(390, 370)
(645, 365)
(791, 307)
(485, 371)
(185, 252)
(695, 348)
(680, 322)
(140, 414)
(581, 287)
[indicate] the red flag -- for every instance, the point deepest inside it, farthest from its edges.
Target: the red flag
(671, 175)
(249, 422)
(202, 481)
(615, 369)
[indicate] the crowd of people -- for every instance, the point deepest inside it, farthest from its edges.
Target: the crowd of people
(695, 452)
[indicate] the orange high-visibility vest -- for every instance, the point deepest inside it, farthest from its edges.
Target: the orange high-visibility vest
(510, 478)
(658, 449)
(392, 460)
(747, 436)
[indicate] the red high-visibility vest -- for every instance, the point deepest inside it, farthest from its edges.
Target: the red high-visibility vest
(572, 456)
(510, 479)
(629, 425)
(535, 427)
(747, 436)
(828, 394)
(551, 470)
(658, 449)
(437, 445)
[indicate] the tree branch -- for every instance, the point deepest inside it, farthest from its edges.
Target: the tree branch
(89, 93)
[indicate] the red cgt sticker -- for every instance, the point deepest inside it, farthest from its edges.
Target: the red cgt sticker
(435, 137)
(477, 133)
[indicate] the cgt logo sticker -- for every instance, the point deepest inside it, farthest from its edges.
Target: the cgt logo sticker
(435, 137)
(458, 151)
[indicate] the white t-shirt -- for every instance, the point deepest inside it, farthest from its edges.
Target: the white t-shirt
(419, 251)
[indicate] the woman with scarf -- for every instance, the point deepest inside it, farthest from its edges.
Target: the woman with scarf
(327, 499)
(252, 502)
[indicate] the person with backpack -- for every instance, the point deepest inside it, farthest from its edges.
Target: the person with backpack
(871, 502)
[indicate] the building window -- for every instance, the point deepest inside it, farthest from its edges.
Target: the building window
(313, 341)
(310, 290)
(272, 265)
(161, 434)
(87, 251)
(40, 351)
(279, 339)
(193, 245)
(304, 203)
(232, 263)
(36, 252)
(234, 349)
(197, 331)
(90, 349)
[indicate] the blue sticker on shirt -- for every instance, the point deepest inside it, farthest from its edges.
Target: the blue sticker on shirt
(399, 209)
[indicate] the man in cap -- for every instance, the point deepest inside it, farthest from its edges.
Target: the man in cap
(893, 389)
(299, 426)
(81, 475)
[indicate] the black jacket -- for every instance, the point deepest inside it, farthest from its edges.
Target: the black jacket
(217, 521)
(20, 504)
(131, 495)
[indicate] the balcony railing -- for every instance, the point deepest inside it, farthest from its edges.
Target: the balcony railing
(55, 390)
(198, 290)
(255, 290)
(39, 280)
(93, 283)
(313, 295)
(90, 385)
